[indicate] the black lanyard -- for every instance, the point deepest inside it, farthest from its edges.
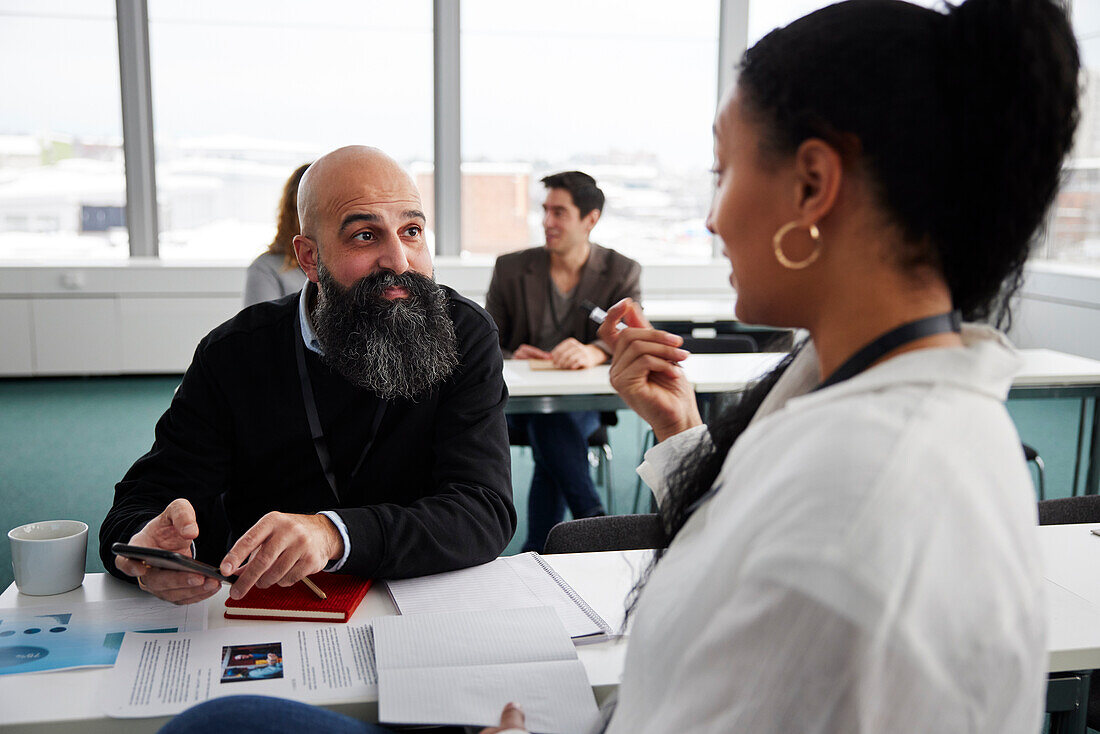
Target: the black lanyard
(943, 323)
(318, 435)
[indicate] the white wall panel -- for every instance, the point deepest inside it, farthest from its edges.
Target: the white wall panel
(145, 316)
(1060, 326)
(160, 334)
(15, 337)
(76, 336)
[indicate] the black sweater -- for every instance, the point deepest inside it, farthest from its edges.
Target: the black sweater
(433, 494)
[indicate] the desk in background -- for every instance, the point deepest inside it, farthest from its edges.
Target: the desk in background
(1046, 374)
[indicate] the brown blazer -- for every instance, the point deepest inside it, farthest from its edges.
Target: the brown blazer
(519, 292)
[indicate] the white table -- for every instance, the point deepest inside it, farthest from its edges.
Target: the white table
(67, 700)
(551, 391)
(1071, 565)
(1044, 369)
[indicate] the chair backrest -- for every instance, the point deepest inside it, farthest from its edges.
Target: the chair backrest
(610, 533)
(720, 344)
(1070, 510)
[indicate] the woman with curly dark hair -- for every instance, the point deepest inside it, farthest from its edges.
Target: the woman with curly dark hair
(852, 546)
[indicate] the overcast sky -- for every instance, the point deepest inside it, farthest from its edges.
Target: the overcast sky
(540, 79)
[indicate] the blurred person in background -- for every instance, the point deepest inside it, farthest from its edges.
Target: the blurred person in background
(276, 273)
(536, 296)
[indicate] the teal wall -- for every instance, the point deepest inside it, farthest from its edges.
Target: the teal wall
(65, 442)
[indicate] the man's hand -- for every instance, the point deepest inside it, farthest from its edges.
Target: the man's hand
(573, 355)
(171, 530)
(526, 351)
(284, 549)
(511, 719)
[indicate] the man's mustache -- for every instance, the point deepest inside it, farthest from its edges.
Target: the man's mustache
(372, 287)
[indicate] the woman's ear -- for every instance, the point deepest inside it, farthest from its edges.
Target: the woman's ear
(819, 172)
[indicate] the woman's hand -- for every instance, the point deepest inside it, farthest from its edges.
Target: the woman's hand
(511, 719)
(646, 373)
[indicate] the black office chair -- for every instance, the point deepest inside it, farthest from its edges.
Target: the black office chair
(1070, 510)
(599, 453)
(1063, 512)
(611, 533)
(764, 339)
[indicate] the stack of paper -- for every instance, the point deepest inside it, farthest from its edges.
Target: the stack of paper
(511, 582)
(462, 668)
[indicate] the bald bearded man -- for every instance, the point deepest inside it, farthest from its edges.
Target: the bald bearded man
(357, 426)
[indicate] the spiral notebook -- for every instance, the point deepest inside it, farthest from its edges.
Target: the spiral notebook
(511, 582)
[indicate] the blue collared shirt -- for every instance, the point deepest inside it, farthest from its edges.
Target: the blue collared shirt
(309, 337)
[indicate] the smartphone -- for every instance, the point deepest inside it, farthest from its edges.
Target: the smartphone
(170, 560)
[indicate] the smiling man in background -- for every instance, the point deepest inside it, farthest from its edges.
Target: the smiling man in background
(535, 297)
(358, 426)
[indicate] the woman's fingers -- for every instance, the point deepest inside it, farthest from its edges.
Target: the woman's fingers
(626, 312)
(635, 348)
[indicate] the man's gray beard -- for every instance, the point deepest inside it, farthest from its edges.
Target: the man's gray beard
(398, 348)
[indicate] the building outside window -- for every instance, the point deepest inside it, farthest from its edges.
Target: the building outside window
(569, 85)
(244, 92)
(1074, 231)
(62, 182)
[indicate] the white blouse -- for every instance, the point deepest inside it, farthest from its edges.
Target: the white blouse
(868, 565)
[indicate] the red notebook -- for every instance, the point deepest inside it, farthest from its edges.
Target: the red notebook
(298, 604)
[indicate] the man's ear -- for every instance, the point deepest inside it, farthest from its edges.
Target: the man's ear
(819, 172)
(589, 220)
(306, 251)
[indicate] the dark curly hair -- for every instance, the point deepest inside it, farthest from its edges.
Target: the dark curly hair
(962, 119)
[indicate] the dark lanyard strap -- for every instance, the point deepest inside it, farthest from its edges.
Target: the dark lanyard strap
(318, 435)
(930, 326)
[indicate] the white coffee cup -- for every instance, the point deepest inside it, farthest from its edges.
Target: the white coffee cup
(48, 557)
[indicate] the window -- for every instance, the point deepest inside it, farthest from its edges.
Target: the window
(245, 92)
(569, 85)
(1074, 233)
(62, 183)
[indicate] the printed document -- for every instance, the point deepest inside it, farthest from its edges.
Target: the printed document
(159, 675)
(461, 668)
(84, 634)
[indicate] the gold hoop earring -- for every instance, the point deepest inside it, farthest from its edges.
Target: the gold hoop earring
(777, 243)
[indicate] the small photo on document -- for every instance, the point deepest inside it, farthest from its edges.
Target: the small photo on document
(252, 662)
